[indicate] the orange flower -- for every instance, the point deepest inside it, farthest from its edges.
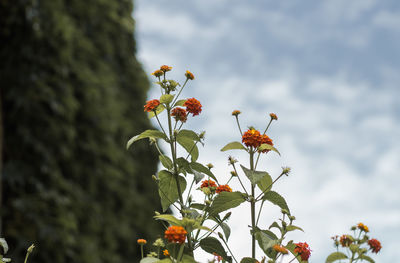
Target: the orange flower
(236, 112)
(166, 252)
(273, 116)
(265, 139)
(362, 227)
(165, 68)
(151, 105)
(158, 73)
(303, 250)
(375, 245)
(280, 249)
(252, 138)
(208, 183)
(175, 234)
(217, 257)
(141, 241)
(179, 114)
(223, 188)
(345, 241)
(193, 106)
(189, 75)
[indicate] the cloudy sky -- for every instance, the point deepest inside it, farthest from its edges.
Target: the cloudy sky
(329, 70)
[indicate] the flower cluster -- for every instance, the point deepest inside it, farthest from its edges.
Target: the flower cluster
(303, 250)
(208, 183)
(193, 106)
(252, 138)
(151, 105)
(179, 114)
(223, 188)
(175, 234)
(374, 245)
(142, 241)
(363, 227)
(280, 249)
(345, 240)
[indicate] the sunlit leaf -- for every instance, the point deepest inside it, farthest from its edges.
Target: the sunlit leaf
(335, 256)
(212, 245)
(276, 199)
(233, 146)
(146, 134)
(254, 176)
(166, 98)
(266, 146)
(168, 188)
(225, 201)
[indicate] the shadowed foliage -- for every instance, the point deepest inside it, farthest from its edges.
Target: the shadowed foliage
(72, 94)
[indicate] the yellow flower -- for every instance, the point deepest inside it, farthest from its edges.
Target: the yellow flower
(166, 252)
(362, 227)
(189, 75)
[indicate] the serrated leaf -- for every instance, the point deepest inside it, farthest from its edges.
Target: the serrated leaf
(188, 134)
(227, 230)
(168, 189)
(202, 169)
(149, 260)
(159, 109)
(335, 256)
(265, 183)
(292, 228)
(276, 225)
(254, 176)
(248, 260)
(367, 258)
(180, 102)
(190, 146)
(276, 199)
(225, 201)
(266, 146)
(146, 134)
(170, 219)
(166, 162)
(265, 241)
(233, 146)
(212, 245)
(166, 98)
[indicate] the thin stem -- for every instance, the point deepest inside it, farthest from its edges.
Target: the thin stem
(190, 189)
(240, 181)
(269, 187)
(238, 124)
(253, 208)
(158, 149)
(159, 123)
(259, 212)
(179, 93)
(190, 152)
(141, 251)
(229, 250)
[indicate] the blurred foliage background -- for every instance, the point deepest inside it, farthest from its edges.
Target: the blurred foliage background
(72, 94)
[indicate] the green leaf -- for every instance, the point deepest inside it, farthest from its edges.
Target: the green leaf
(248, 260)
(233, 146)
(354, 247)
(291, 246)
(265, 183)
(146, 134)
(212, 245)
(180, 103)
(276, 199)
(225, 201)
(187, 259)
(367, 258)
(254, 176)
(168, 189)
(189, 145)
(202, 169)
(335, 256)
(197, 206)
(292, 228)
(183, 165)
(266, 146)
(276, 225)
(166, 98)
(265, 241)
(166, 161)
(170, 219)
(159, 109)
(189, 134)
(227, 230)
(149, 260)
(165, 260)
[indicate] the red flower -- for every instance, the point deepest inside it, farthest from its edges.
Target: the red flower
(223, 188)
(345, 241)
(151, 105)
(180, 114)
(303, 250)
(375, 245)
(236, 112)
(252, 138)
(208, 183)
(193, 106)
(265, 139)
(165, 68)
(189, 75)
(175, 234)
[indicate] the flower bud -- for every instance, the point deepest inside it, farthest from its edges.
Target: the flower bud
(232, 160)
(233, 173)
(154, 178)
(157, 213)
(273, 116)
(220, 236)
(227, 216)
(201, 135)
(286, 170)
(210, 165)
(208, 202)
(292, 218)
(284, 211)
(30, 249)
(236, 113)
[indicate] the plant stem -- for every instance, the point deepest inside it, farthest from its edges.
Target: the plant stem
(179, 93)
(259, 212)
(238, 124)
(253, 209)
(229, 250)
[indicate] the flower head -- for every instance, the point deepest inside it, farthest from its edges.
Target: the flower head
(193, 106)
(252, 138)
(165, 68)
(166, 252)
(303, 250)
(158, 73)
(208, 183)
(375, 245)
(218, 258)
(266, 140)
(280, 249)
(151, 105)
(179, 114)
(223, 188)
(189, 75)
(362, 227)
(159, 243)
(141, 241)
(345, 240)
(236, 112)
(273, 116)
(175, 234)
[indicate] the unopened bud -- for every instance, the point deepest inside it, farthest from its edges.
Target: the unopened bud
(157, 213)
(353, 228)
(232, 160)
(286, 170)
(30, 249)
(233, 173)
(292, 218)
(220, 236)
(154, 177)
(273, 116)
(210, 165)
(227, 216)
(284, 211)
(201, 135)
(208, 202)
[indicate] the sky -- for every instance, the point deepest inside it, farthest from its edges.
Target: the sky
(328, 69)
